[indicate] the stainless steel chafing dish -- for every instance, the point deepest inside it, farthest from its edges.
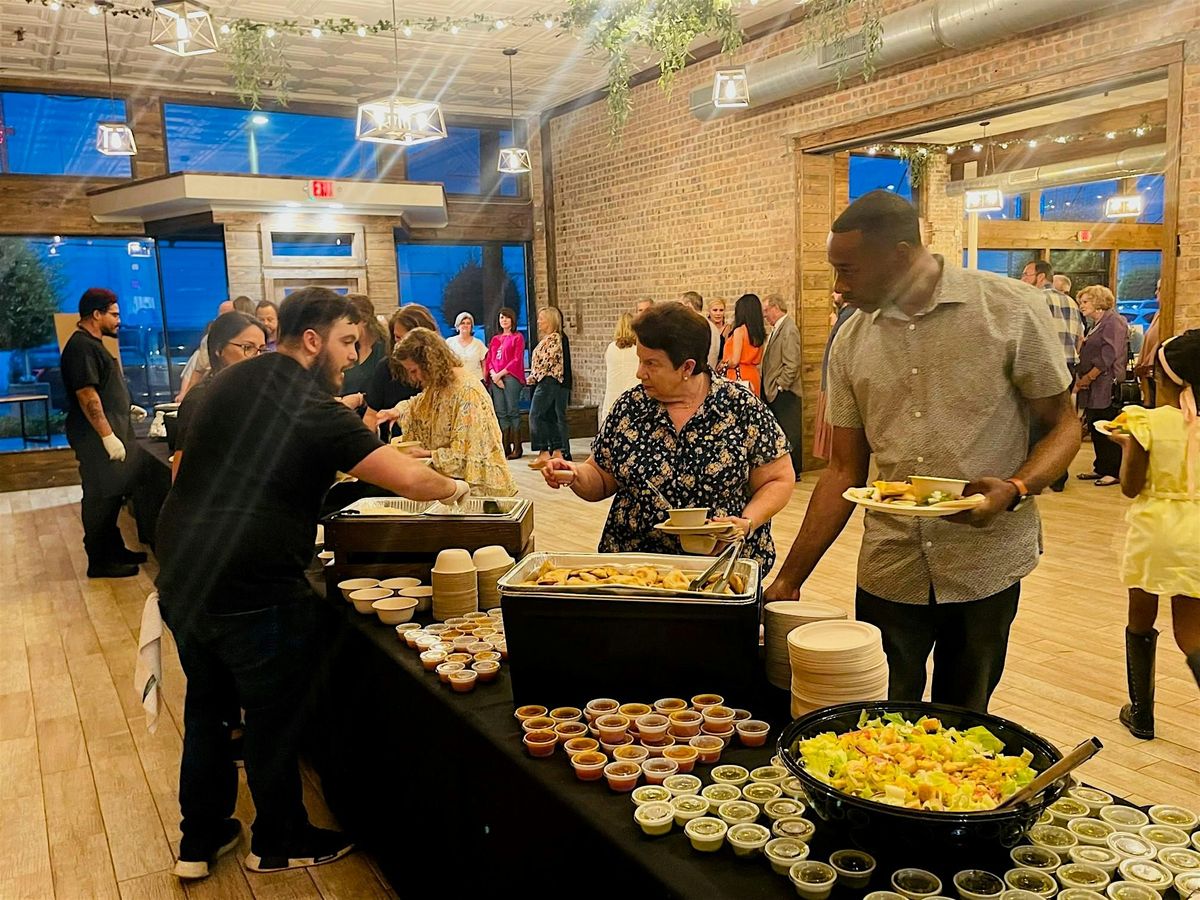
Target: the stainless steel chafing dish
(513, 583)
(491, 508)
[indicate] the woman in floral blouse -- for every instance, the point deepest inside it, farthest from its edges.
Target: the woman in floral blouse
(452, 417)
(547, 374)
(682, 439)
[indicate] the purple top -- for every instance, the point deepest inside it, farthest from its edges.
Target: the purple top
(506, 354)
(1105, 349)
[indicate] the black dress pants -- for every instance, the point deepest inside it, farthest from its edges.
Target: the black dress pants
(789, 413)
(969, 642)
(105, 484)
(1108, 453)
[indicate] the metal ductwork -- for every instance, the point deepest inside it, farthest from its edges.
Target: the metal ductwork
(1123, 164)
(909, 34)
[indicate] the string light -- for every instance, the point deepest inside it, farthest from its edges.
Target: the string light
(1112, 135)
(361, 31)
(54, 7)
(454, 29)
(977, 148)
(1033, 144)
(500, 23)
(316, 32)
(271, 32)
(549, 23)
(94, 10)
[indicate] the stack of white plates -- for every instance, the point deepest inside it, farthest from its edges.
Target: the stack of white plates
(779, 618)
(836, 662)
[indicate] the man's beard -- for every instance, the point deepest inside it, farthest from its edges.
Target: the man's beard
(109, 332)
(327, 375)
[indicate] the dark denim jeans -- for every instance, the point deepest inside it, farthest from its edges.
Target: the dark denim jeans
(545, 428)
(264, 660)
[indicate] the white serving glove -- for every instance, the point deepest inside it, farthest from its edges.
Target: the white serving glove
(113, 447)
(137, 414)
(461, 490)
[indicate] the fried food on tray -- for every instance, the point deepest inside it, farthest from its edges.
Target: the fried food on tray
(549, 575)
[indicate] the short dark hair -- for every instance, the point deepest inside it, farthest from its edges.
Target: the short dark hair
(316, 308)
(224, 329)
(244, 304)
(882, 217)
(264, 303)
(693, 299)
(1041, 267)
(95, 300)
(677, 330)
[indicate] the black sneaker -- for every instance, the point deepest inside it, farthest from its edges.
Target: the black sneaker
(315, 847)
(194, 864)
(130, 557)
(111, 570)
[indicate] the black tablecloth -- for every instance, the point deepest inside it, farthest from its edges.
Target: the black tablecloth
(151, 485)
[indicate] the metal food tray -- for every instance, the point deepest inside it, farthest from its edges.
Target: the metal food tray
(511, 508)
(511, 583)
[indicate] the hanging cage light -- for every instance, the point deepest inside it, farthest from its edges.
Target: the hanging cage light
(513, 160)
(1124, 206)
(396, 119)
(113, 137)
(731, 89)
(183, 28)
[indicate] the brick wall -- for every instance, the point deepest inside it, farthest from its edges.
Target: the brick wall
(725, 207)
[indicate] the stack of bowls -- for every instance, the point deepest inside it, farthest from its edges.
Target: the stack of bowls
(836, 661)
(491, 564)
(779, 618)
(455, 589)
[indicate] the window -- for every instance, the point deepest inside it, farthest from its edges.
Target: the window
(1009, 263)
(1151, 189)
(449, 279)
(871, 173)
(465, 162)
(1083, 267)
(194, 283)
(311, 247)
(55, 273)
(1078, 202)
(1014, 208)
(250, 142)
(55, 134)
(1137, 279)
(292, 244)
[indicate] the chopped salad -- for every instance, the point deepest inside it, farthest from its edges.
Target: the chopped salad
(920, 765)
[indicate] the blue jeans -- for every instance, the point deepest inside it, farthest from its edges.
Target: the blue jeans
(507, 401)
(264, 660)
(545, 430)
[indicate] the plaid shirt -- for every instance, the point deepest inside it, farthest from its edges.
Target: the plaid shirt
(1068, 322)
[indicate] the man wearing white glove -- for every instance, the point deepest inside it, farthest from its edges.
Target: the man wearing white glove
(234, 538)
(99, 431)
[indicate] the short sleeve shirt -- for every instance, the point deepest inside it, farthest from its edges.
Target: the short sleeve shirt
(236, 531)
(946, 393)
(707, 463)
(87, 363)
(472, 355)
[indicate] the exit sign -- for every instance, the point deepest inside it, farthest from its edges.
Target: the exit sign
(1084, 236)
(321, 190)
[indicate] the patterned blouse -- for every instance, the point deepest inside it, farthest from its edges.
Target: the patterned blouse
(707, 463)
(458, 425)
(547, 360)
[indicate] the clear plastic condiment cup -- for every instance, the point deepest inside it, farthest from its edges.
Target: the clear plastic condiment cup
(685, 757)
(651, 793)
(716, 794)
(658, 770)
(680, 785)
(978, 884)
(747, 839)
(622, 776)
(486, 669)
(783, 853)
(688, 807)
(655, 819)
(854, 868)
(707, 747)
(812, 880)
(444, 669)
(431, 659)
(1081, 875)
(540, 743)
(1033, 880)
(464, 681)
(706, 833)
(728, 774)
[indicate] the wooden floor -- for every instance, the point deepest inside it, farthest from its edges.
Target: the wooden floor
(88, 803)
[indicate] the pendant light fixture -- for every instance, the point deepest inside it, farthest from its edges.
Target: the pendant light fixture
(1127, 206)
(731, 89)
(514, 160)
(183, 28)
(396, 119)
(985, 200)
(113, 138)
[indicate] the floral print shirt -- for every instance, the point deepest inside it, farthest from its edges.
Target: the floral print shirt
(707, 463)
(547, 361)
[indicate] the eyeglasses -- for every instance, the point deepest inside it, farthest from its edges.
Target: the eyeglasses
(248, 350)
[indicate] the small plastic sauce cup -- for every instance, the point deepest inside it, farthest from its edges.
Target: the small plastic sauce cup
(578, 745)
(622, 776)
(752, 732)
(444, 669)
(631, 753)
(540, 743)
(487, 670)
(658, 770)
(707, 747)
(685, 756)
(529, 712)
(463, 682)
(589, 766)
(702, 701)
(652, 726)
(706, 833)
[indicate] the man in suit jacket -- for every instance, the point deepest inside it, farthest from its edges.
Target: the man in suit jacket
(781, 375)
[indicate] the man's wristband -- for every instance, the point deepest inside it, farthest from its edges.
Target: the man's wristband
(1022, 493)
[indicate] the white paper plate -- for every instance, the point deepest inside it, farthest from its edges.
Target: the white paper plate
(711, 528)
(926, 512)
(1104, 426)
(835, 636)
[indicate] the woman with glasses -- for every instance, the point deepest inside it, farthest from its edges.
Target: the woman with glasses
(233, 338)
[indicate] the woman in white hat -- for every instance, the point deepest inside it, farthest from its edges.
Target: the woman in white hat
(466, 346)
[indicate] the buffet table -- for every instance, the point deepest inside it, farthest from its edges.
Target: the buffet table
(425, 778)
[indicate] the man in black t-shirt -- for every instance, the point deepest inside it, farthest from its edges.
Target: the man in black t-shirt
(234, 538)
(100, 433)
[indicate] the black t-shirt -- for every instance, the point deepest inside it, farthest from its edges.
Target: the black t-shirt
(236, 531)
(187, 411)
(86, 363)
(359, 376)
(384, 391)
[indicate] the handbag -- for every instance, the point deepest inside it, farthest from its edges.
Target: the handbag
(737, 371)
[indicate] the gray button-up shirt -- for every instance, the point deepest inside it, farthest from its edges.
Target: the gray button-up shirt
(944, 393)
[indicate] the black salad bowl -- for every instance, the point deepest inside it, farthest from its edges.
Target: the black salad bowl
(916, 834)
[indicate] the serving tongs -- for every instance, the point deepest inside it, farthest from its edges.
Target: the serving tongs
(1072, 760)
(724, 564)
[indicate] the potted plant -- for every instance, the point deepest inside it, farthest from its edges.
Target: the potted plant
(28, 302)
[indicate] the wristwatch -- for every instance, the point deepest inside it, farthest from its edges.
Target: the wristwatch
(1022, 494)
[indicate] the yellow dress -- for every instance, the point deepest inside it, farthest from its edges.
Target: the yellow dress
(1162, 547)
(457, 424)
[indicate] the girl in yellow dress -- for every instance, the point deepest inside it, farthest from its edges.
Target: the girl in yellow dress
(1160, 469)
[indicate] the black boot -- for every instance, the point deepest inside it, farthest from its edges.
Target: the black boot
(1193, 659)
(1138, 715)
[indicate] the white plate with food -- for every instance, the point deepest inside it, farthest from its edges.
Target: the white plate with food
(713, 528)
(898, 498)
(1109, 427)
